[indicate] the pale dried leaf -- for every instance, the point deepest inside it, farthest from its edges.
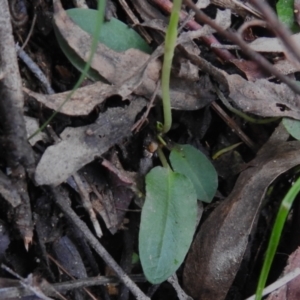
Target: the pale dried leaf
(202, 3)
(32, 125)
(81, 145)
(290, 291)
(264, 98)
(273, 45)
(84, 99)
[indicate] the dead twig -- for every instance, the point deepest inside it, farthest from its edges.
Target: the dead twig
(233, 125)
(18, 153)
(72, 277)
(244, 47)
(281, 31)
(52, 289)
(27, 283)
(60, 200)
(34, 68)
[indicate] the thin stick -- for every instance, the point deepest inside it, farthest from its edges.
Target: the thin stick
(37, 292)
(279, 283)
(34, 68)
(244, 47)
(30, 32)
(59, 266)
(53, 289)
(91, 239)
(232, 124)
(280, 29)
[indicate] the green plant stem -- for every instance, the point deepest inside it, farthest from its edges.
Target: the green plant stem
(275, 236)
(100, 20)
(170, 42)
(162, 158)
(225, 150)
(241, 114)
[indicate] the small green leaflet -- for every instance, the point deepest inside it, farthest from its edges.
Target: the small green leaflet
(292, 126)
(187, 160)
(168, 223)
(114, 34)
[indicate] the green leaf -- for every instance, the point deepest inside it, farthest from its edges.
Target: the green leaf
(187, 160)
(74, 59)
(292, 127)
(168, 223)
(285, 11)
(114, 34)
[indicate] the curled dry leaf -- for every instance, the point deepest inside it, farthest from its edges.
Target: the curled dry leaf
(185, 94)
(69, 258)
(290, 291)
(81, 145)
(219, 247)
(273, 45)
(264, 98)
(84, 99)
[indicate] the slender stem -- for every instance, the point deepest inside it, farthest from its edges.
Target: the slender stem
(162, 158)
(275, 236)
(225, 150)
(100, 20)
(240, 113)
(170, 42)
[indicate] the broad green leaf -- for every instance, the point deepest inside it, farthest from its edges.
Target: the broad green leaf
(285, 11)
(74, 59)
(114, 34)
(292, 127)
(187, 160)
(168, 223)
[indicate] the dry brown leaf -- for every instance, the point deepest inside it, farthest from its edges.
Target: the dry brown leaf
(32, 125)
(186, 94)
(81, 145)
(263, 98)
(290, 291)
(219, 247)
(84, 99)
(238, 7)
(286, 67)
(273, 45)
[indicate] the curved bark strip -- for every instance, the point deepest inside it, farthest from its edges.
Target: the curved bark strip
(18, 152)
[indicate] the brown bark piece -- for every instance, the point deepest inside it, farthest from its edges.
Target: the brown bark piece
(18, 153)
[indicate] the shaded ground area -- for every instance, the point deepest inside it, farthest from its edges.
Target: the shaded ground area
(72, 195)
